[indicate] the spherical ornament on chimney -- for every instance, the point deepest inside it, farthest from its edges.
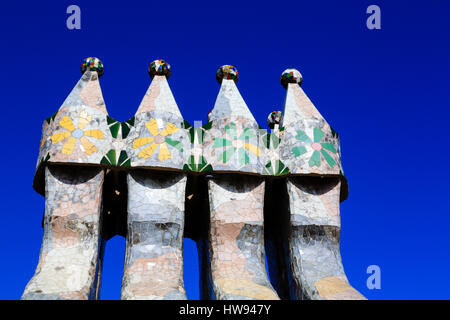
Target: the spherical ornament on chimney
(273, 119)
(291, 76)
(159, 67)
(92, 64)
(227, 72)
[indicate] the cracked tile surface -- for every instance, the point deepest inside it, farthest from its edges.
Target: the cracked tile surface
(69, 253)
(154, 253)
(236, 238)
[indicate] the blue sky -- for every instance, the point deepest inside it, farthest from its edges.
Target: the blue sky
(385, 91)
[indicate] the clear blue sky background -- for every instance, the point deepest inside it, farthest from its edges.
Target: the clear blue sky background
(385, 91)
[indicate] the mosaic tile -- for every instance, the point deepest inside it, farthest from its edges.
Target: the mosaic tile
(154, 253)
(156, 149)
(237, 239)
(67, 267)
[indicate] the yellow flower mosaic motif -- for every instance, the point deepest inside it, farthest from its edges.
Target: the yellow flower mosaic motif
(159, 139)
(77, 133)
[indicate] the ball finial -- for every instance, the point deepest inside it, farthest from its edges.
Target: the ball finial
(93, 64)
(159, 67)
(273, 119)
(227, 72)
(291, 76)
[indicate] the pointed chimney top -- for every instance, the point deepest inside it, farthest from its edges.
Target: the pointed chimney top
(227, 72)
(291, 76)
(159, 97)
(229, 101)
(159, 67)
(297, 105)
(92, 64)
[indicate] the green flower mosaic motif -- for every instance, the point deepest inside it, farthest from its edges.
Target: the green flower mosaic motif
(115, 126)
(201, 166)
(51, 118)
(321, 149)
(197, 131)
(197, 162)
(237, 144)
(44, 159)
(274, 167)
(111, 159)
